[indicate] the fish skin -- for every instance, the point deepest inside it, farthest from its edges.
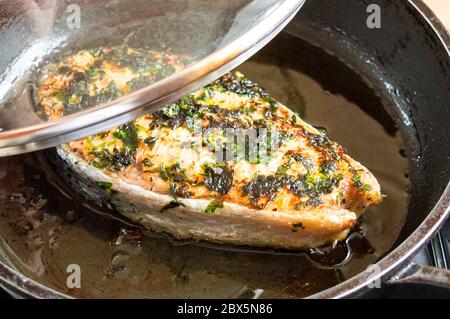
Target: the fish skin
(232, 224)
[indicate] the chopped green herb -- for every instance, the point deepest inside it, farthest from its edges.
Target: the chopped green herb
(150, 141)
(321, 129)
(339, 198)
(174, 173)
(171, 110)
(116, 160)
(283, 169)
(147, 162)
(127, 133)
(215, 204)
(293, 120)
(328, 166)
(60, 96)
(356, 179)
(74, 100)
(297, 226)
(172, 191)
(102, 134)
(104, 185)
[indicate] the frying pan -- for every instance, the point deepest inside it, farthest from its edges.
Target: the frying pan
(407, 59)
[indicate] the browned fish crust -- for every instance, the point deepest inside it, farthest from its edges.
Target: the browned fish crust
(292, 182)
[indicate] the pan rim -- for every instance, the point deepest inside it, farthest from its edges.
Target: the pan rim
(397, 257)
(429, 226)
(26, 286)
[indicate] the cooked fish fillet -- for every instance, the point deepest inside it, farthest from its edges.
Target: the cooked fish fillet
(226, 164)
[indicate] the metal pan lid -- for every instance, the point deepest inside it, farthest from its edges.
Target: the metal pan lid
(59, 59)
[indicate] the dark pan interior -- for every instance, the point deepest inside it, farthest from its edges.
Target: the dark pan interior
(400, 60)
(408, 68)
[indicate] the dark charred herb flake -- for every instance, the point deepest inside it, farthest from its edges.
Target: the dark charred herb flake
(172, 204)
(218, 178)
(297, 226)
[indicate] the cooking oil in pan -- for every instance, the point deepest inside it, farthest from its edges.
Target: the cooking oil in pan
(44, 227)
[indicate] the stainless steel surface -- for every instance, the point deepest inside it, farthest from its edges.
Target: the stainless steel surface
(241, 28)
(439, 251)
(422, 274)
